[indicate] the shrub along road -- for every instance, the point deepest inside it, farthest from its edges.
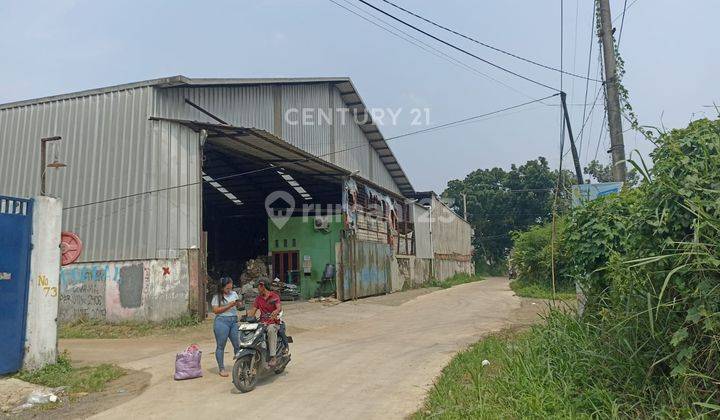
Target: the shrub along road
(373, 358)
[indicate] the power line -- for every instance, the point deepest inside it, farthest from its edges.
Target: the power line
(450, 124)
(589, 115)
(425, 46)
(456, 47)
(169, 188)
(273, 167)
(592, 30)
(602, 129)
(622, 23)
(445, 28)
(628, 8)
(502, 235)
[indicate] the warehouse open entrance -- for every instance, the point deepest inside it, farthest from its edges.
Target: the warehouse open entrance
(261, 200)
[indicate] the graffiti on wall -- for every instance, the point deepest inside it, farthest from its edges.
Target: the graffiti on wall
(142, 290)
(82, 292)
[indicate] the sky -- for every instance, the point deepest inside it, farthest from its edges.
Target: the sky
(671, 60)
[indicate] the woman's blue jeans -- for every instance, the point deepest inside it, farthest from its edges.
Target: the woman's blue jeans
(225, 327)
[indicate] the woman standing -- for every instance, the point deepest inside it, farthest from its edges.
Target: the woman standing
(225, 305)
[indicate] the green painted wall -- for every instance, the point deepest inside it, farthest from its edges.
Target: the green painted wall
(319, 245)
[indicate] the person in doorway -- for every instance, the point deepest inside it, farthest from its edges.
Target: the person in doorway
(225, 305)
(268, 303)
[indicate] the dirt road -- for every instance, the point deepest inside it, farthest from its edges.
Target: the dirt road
(374, 358)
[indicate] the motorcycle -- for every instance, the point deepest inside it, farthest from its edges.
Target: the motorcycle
(251, 361)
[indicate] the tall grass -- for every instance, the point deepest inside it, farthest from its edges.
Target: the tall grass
(63, 374)
(563, 369)
(648, 343)
(457, 279)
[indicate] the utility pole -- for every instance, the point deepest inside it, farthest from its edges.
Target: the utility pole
(464, 196)
(576, 158)
(43, 159)
(617, 147)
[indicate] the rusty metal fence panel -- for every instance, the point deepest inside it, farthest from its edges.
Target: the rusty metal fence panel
(365, 268)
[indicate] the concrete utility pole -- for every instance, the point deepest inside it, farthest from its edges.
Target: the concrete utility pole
(43, 159)
(617, 147)
(464, 196)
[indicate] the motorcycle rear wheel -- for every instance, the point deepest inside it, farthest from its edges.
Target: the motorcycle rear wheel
(244, 374)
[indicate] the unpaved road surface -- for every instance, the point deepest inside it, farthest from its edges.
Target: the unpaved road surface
(373, 358)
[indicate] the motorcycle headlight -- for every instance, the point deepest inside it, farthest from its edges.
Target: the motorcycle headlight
(246, 339)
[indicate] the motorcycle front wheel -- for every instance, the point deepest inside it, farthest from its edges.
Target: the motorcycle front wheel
(244, 374)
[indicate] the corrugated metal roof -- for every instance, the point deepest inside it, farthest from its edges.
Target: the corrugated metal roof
(348, 93)
(263, 146)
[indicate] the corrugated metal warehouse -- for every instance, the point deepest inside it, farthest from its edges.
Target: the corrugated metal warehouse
(171, 178)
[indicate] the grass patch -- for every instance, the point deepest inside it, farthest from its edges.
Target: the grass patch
(453, 281)
(92, 328)
(444, 284)
(76, 380)
(538, 291)
(564, 368)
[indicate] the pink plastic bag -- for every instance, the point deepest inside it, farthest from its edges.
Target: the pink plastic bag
(187, 363)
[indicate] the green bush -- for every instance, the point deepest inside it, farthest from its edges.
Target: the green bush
(649, 262)
(497, 268)
(648, 343)
(531, 257)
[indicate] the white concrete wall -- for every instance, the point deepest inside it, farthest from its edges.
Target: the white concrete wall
(44, 288)
(147, 290)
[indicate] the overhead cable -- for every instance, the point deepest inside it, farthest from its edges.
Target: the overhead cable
(469, 38)
(451, 45)
(429, 48)
(273, 167)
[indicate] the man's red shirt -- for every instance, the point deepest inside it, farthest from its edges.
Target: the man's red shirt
(267, 305)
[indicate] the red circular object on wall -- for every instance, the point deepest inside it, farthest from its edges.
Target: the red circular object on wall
(70, 248)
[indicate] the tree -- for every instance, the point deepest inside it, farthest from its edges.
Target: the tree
(603, 173)
(499, 202)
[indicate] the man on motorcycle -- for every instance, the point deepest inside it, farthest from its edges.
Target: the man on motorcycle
(268, 303)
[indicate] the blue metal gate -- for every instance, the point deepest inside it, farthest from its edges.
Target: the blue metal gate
(15, 232)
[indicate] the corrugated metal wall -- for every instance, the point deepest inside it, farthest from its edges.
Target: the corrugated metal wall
(245, 106)
(450, 242)
(450, 233)
(111, 150)
(316, 137)
(253, 106)
(364, 159)
(421, 221)
(366, 268)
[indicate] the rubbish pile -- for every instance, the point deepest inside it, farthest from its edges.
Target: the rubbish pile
(17, 395)
(287, 291)
(254, 269)
(326, 301)
(249, 292)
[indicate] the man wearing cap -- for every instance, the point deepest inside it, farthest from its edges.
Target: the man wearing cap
(268, 303)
